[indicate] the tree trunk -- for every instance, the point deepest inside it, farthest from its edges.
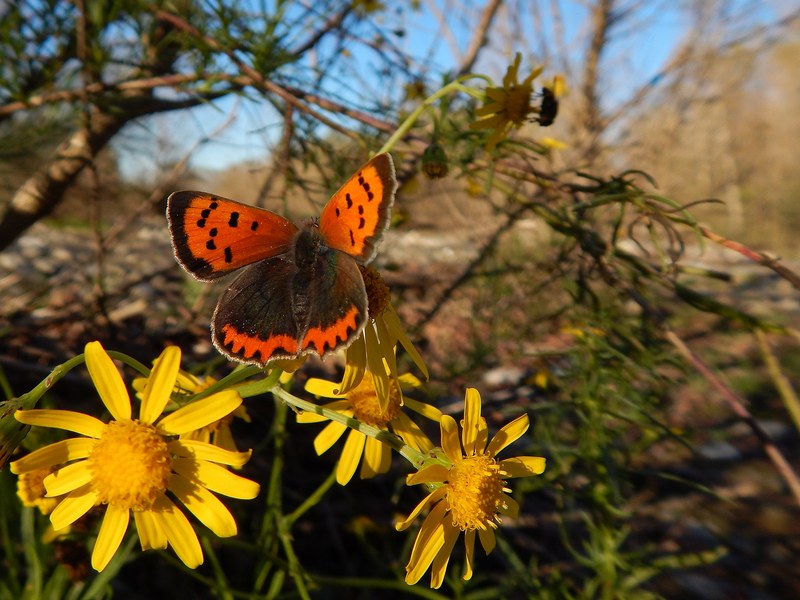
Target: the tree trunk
(42, 192)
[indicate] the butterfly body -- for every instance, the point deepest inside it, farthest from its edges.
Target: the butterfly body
(300, 290)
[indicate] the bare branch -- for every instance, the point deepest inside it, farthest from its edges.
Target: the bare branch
(479, 37)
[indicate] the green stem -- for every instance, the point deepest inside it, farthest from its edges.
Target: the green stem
(30, 399)
(222, 586)
(782, 383)
(131, 362)
(412, 455)
(453, 86)
(312, 500)
(282, 524)
(239, 375)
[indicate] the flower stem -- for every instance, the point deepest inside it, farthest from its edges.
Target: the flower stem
(412, 455)
(454, 86)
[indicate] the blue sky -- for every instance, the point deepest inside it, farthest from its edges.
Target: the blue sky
(636, 54)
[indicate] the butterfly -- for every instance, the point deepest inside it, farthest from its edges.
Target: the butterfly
(300, 290)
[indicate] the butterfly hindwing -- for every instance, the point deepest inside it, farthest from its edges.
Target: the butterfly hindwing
(338, 310)
(357, 215)
(254, 320)
(213, 236)
(282, 308)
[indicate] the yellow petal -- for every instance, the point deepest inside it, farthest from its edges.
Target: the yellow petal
(423, 408)
(73, 507)
(408, 380)
(151, 537)
(204, 505)
(377, 459)
(497, 95)
(429, 474)
(439, 565)
(523, 466)
(487, 538)
(450, 443)
(508, 434)
(216, 478)
(534, 74)
(396, 328)
(427, 545)
(160, 385)
(469, 545)
(204, 451)
(328, 437)
(471, 422)
(382, 387)
(492, 108)
(351, 455)
(67, 479)
(188, 383)
(494, 122)
(511, 73)
(179, 532)
(323, 387)
(376, 354)
(355, 365)
(115, 524)
(197, 415)
(224, 438)
(410, 432)
(431, 498)
(388, 347)
(482, 436)
(62, 419)
(511, 508)
(108, 381)
(54, 454)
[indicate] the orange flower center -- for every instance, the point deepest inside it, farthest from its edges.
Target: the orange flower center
(366, 407)
(474, 492)
(130, 465)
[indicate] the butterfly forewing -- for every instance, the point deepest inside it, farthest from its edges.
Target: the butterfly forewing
(213, 236)
(357, 215)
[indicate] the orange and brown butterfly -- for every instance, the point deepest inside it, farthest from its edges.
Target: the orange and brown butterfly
(300, 290)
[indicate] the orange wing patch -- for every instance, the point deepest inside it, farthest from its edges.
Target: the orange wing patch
(356, 216)
(213, 236)
(326, 338)
(253, 349)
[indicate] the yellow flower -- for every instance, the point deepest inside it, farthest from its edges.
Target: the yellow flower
(30, 489)
(549, 143)
(218, 432)
(507, 107)
(130, 464)
(375, 348)
(471, 493)
(362, 404)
